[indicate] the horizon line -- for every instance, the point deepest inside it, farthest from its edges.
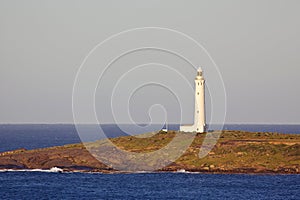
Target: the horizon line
(110, 123)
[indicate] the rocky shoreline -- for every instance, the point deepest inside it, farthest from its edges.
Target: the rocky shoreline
(237, 152)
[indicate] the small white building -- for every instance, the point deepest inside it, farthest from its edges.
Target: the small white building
(199, 114)
(164, 130)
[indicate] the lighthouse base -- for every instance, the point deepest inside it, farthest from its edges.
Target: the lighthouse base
(192, 128)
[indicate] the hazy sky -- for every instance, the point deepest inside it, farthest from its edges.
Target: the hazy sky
(256, 45)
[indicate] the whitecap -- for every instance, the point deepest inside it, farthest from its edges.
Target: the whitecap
(53, 170)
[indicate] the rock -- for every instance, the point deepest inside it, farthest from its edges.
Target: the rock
(13, 151)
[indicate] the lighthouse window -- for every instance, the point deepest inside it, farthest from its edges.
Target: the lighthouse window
(198, 83)
(197, 111)
(198, 93)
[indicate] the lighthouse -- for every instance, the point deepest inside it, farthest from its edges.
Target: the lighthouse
(199, 113)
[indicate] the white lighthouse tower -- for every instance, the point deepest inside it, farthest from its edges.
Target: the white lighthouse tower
(199, 116)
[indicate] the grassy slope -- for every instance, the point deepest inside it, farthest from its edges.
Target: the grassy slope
(235, 151)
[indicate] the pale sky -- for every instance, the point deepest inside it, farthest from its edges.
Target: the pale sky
(255, 44)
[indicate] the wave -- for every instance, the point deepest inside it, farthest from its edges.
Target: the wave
(52, 170)
(185, 172)
(59, 170)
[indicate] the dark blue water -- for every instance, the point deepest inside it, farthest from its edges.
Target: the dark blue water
(39, 185)
(32, 136)
(46, 185)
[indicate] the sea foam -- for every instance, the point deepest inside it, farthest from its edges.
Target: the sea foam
(52, 170)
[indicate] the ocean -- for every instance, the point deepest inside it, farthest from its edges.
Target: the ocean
(32, 136)
(39, 185)
(49, 185)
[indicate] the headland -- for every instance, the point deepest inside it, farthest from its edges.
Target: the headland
(235, 152)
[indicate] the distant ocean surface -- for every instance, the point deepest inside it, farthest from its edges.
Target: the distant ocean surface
(32, 136)
(49, 185)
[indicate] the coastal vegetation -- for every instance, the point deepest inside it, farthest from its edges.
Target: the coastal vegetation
(235, 152)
